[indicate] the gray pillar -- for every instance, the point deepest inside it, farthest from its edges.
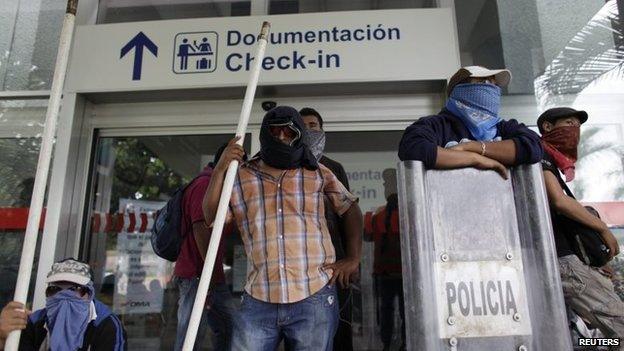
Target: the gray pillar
(522, 43)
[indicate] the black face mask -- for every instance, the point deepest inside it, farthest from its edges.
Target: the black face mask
(279, 155)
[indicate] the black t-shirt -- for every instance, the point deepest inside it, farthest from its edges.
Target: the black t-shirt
(334, 225)
(561, 240)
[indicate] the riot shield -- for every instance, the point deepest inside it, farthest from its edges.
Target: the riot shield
(479, 265)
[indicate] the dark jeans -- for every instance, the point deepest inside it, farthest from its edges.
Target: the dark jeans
(218, 316)
(390, 288)
(309, 324)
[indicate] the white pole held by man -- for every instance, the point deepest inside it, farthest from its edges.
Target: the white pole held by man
(226, 192)
(43, 166)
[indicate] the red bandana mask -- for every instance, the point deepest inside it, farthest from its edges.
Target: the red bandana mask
(562, 145)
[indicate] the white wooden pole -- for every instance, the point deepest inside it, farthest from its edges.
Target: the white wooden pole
(226, 192)
(43, 166)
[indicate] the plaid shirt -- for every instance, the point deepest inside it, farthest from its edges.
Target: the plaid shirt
(282, 224)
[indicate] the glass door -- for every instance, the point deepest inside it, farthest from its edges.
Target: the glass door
(373, 306)
(132, 178)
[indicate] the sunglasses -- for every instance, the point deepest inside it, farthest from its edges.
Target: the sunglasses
(287, 129)
(78, 289)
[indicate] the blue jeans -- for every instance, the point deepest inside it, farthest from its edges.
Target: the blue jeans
(309, 324)
(218, 316)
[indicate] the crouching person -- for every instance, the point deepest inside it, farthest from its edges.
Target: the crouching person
(72, 319)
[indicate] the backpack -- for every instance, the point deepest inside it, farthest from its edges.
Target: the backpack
(586, 243)
(166, 236)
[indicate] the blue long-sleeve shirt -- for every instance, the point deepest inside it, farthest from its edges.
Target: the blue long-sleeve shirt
(420, 140)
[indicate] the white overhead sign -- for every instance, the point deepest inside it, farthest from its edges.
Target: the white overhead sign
(362, 46)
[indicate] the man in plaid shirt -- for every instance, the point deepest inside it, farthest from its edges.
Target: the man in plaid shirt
(277, 204)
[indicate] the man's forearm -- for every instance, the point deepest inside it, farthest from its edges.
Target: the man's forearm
(573, 209)
(501, 151)
(568, 206)
(213, 193)
(353, 225)
(452, 159)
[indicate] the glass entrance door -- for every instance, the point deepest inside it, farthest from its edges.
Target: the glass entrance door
(373, 306)
(133, 177)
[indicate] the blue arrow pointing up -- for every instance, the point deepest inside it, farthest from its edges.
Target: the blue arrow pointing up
(139, 42)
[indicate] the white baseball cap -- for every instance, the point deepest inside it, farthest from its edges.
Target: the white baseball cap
(503, 76)
(70, 270)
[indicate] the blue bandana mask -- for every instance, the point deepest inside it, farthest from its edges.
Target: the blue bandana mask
(476, 105)
(68, 316)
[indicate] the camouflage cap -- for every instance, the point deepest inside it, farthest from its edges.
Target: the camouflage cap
(70, 270)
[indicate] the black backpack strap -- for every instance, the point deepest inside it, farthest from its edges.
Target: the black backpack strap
(562, 183)
(183, 189)
(567, 189)
(548, 164)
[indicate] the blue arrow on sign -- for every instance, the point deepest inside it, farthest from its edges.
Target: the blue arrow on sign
(139, 42)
